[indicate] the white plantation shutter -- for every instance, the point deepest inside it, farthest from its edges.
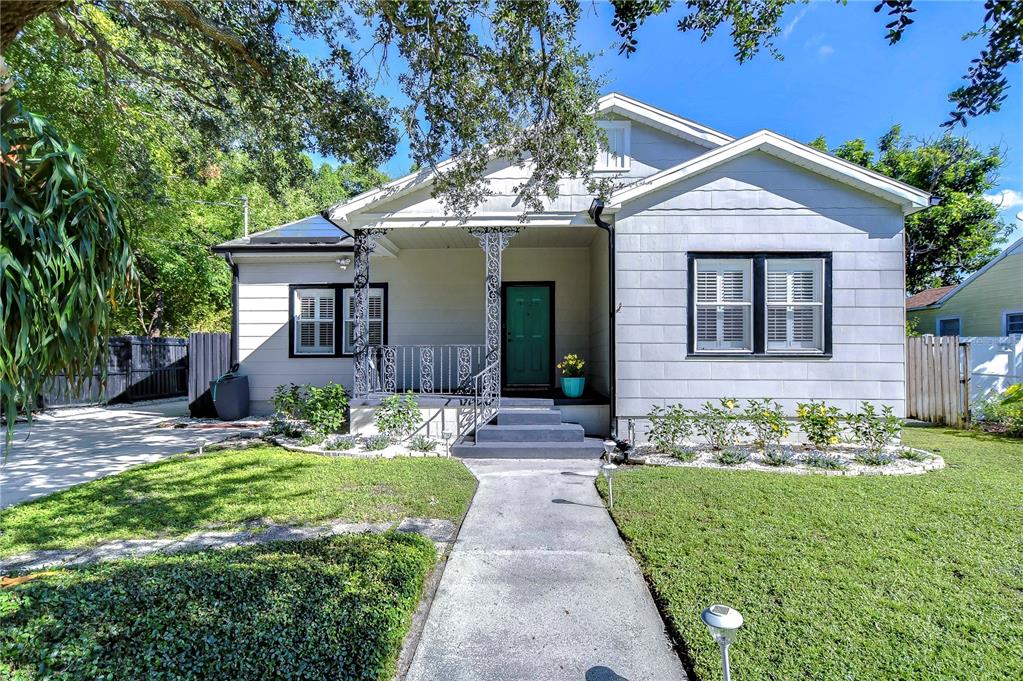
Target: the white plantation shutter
(795, 304)
(376, 318)
(615, 156)
(724, 304)
(314, 321)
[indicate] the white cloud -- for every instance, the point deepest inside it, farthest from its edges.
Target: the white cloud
(825, 51)
(791, 26)
(1006, 199)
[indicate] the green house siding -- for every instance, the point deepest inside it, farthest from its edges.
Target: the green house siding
(981, 304)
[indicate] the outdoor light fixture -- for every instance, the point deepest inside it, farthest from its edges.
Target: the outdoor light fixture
(609, 449)
(723, 623)
(447, 441)
(608, 470)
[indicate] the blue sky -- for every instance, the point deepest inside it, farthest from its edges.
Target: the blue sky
(839, 78)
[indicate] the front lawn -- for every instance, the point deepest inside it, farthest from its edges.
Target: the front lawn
(334, 608)
(866, 578)
(222, 489)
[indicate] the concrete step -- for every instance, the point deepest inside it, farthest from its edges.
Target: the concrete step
(590, 448)
(528, 417)
(561, 432)
(537, 402)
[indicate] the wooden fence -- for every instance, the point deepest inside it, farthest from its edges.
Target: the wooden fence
(138, 368)
(938, 380)
(210, 358)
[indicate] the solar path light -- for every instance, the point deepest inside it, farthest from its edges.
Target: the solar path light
(608, 469)
(723, 623)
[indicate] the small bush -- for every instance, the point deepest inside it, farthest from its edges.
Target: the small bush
(721, 426)
(312, 437)
(421, 443)
(910, 454)
(398, 416)
(284, 426)
(341, 443)
(875, 431)
(768, 423)
(288, 401)
(818, 459)
(375, 443)
(333, 608)
(1004, 413)
(819, 423)
(686, 454)
(778, 456)
(670, 427)
(872, 458)
(326, 408)
(732, 456)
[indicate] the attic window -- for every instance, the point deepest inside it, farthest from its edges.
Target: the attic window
(614, 156)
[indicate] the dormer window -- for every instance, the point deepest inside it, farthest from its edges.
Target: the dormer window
(615, 156)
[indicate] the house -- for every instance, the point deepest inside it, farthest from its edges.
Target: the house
(987, 303)
(747, 267)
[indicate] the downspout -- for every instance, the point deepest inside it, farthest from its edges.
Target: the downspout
(594, 211)
(234, 307)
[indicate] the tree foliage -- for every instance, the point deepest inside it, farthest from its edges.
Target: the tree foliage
(63, 253)
(754, 26)
(956, 237)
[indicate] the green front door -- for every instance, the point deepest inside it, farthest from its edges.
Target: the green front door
(527, 335)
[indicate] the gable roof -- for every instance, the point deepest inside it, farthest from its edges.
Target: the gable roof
(613, 103)
(909, 198)
(1015, 248)
(927, 296)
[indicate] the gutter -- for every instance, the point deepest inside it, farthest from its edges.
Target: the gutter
(594, 211)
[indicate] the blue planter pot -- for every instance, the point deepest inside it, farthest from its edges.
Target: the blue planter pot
(573, 387)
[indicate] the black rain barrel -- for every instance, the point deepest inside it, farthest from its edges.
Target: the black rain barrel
(230, 395)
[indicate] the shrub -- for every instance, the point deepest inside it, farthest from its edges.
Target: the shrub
(398, 416)
(571, 366)
(421, 443)
(910, 454)
(721, 426)
(326, 408)
(732, 456)
(819, 423)
(332, 608)
(375, 443)
(819, 459)
(1004, 413)
(778, 456)
(669, 427)
(685, 454)
(340, 443)
(288, 401)
(312, 437)
(875, 431)
(874, 458)
(768, 423)
(284, 426)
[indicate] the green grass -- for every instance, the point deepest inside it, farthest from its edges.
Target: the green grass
(223, 489)
(867, 578)
(335, 608)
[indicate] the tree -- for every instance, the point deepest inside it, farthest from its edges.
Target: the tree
(956, 237)
(755, 25)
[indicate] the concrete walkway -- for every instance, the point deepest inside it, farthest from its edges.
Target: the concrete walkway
(66, 447)
(540, 587)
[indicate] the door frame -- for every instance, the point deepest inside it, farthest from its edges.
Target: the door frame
(505, 285)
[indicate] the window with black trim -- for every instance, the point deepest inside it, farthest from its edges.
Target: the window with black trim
(759, 304)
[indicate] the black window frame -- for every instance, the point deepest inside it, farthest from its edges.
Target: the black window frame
(759, 285)
(339, 298)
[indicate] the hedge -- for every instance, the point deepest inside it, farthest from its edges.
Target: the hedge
(334, 608)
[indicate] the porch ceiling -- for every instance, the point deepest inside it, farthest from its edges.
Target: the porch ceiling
(456, 237)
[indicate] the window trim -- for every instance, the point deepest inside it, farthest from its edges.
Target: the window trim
(626, 127)
(341, 316)
(338, 316)
(939, 320)
(1005, 320)
(759, 284)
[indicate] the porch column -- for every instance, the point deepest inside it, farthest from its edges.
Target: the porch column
(365, 242)
(493, 240)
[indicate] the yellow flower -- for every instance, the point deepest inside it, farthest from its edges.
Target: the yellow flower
(730, 404)
(833, 440)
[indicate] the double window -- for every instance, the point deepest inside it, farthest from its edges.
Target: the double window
(323, 319)
(762, 304)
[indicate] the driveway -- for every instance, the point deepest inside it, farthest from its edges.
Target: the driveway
(66, 447)
(539, 587)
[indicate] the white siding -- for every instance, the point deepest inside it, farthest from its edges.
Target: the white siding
(759, 203)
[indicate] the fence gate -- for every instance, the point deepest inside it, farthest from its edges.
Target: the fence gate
(938, 380)
(209, 358)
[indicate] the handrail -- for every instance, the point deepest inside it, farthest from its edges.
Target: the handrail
(486, 396)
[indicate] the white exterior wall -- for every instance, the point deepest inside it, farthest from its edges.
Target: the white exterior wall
(759, 203)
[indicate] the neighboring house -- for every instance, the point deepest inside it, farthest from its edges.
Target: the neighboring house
(746, 267)
(987, 303)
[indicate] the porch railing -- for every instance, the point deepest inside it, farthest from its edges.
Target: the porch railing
(446, 369)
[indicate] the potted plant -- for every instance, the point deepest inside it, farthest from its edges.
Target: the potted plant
(572, 379)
